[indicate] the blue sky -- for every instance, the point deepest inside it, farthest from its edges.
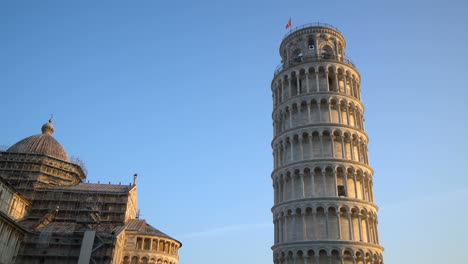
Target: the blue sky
(179, 92)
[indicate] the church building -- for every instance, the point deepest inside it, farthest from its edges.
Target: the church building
(49, 214)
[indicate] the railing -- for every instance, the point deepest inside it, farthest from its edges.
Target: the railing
(316, 24)
(346, 60)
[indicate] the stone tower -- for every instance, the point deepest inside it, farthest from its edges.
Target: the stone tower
(324, 211)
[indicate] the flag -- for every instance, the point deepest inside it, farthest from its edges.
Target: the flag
(288, 24)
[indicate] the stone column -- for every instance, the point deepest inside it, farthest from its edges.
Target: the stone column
(360, 226)
(301, 175)
(317, 81)
(301, 146)
(312, 183)
(293, 184)
(338, 216)
(297, 85)
(304, 225)
(351, 226)
(326, 80)
(335, 182)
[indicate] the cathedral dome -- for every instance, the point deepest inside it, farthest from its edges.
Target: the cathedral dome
(41, 144)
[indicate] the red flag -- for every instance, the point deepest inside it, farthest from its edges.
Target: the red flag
(288, 24)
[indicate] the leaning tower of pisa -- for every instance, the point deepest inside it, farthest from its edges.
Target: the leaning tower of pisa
(324, 210)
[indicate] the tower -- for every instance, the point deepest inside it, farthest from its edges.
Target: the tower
(324, 210)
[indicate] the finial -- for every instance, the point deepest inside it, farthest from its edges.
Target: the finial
(135, 176)
(48, 128)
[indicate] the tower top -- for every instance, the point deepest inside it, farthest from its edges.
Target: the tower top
(312, 42)
(308, 25)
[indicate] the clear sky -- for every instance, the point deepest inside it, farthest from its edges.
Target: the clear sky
(179, 92)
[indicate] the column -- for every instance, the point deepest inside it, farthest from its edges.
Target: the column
(351, 227)
(335, 182)
(290, 117)
(308, 113)
(355, 186)
(326, 80)
(344, 80)
(275, 192)
(307, 81)
(332, 140)
(297, 85)
(293, 186)
(314, 220)
(359, 156)
(294, 227)
(301, 175)
(329, 112)
(291, 144)
(319, 111)
(304, 226)
(317, 81)
(324, 180)
(343, 147)
(368, 230)
(312, 183)
(360, 227)
(345, 179)
(347, 116)
(327, 224)
(338, 216)
(321, 144)
(275, 235)
(290, 86)
(340, 118)
(283, 193)
(299, 139)
(336, 81)
(311, 146)
(363, 187)
(280, 229)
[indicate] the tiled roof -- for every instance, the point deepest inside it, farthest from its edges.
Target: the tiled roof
(95, 187)
(144, 228)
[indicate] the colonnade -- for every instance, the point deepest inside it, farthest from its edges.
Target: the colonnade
(322, 182)
(145, 243)
(322, 223)
(324, 78)
(318, 111)
(308, 144)
(144, 260)
(328, 256)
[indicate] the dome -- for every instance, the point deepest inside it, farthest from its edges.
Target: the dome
(41, 144)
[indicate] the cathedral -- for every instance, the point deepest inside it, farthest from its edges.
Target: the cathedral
(50, 215)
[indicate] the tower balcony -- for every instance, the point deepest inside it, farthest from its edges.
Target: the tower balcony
(306, 59)
(308, 25)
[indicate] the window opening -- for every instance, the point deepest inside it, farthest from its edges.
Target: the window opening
(341, 191)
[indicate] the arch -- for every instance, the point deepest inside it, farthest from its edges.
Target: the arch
(297, 55)
(326, 52)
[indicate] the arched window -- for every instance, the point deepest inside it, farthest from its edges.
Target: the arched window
(327, 52)
(311, 44)
(297, 55)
